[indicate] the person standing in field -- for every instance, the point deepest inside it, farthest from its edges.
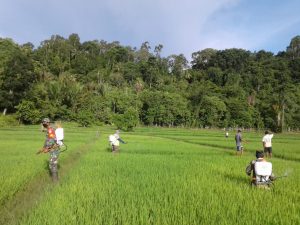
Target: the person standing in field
(114, 143)
(115, 140)
(51, 147)
(267, 143)
(238, 143)
(59, 133)
(261, 170)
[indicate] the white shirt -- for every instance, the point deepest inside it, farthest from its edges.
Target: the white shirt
(113, 140)
(267, 139)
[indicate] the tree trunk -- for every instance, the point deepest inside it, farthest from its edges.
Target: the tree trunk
(282, 117)
(279, 117)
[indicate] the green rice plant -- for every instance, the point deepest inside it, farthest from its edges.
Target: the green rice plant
(8, 121)
(161, 177)
(19, 163)
(284, 145)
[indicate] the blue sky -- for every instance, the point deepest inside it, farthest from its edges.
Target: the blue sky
(180, 26)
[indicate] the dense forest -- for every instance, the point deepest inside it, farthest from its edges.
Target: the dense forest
(96, 82)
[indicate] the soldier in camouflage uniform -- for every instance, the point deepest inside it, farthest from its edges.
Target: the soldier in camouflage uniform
(52, 147)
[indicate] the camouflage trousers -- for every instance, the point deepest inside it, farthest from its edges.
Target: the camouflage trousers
(53, 162)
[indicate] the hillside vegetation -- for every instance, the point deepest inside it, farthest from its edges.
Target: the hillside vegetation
(97, 82)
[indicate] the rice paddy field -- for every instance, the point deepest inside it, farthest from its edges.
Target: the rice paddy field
(161, 176)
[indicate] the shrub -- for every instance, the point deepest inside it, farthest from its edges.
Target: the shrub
(85, 118)
(27, 112)
(8, 120)
(126, 121)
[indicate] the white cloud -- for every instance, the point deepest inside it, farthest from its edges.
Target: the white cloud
(176, 24)
(251, 28)
(181, 26)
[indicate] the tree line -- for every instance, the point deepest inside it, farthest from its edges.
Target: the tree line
(108, 83)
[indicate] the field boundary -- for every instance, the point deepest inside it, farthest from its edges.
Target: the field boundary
(32, 193)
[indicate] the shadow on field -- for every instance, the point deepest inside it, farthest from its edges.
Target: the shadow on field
(108, 149)
(31, 193)
(155, 152)
(46, 167)
(235, 178)
(175, 154)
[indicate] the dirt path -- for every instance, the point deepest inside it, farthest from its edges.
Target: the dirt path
(13, 210)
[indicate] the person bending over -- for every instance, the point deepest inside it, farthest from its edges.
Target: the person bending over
(261, 170)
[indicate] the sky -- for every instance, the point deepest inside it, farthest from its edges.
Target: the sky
(182, 27)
